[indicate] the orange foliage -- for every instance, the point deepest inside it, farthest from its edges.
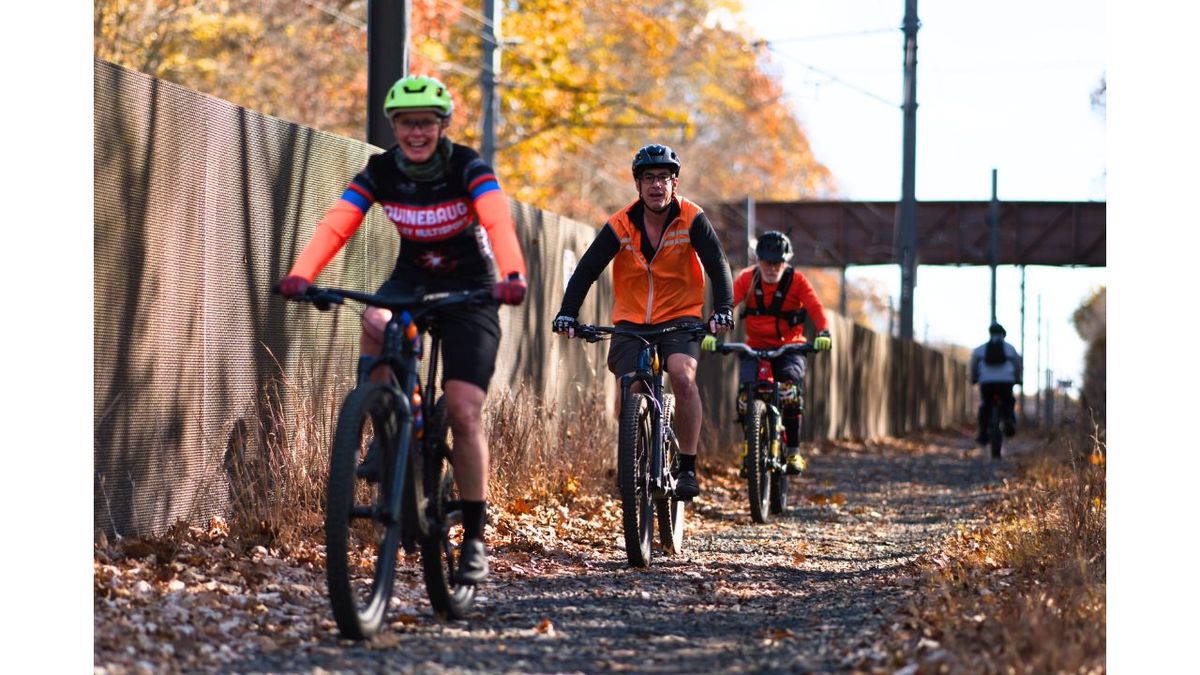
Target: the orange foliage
(582, 86)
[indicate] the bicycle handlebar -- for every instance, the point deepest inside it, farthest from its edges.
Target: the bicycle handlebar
(325, 298)
(743, 348)
(593, 333)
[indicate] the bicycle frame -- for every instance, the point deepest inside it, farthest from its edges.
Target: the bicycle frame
(401, 351)
(649, 374)
(764, 387)
(648, 371)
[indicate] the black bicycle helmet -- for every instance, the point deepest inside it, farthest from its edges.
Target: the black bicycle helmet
(997, 329)
(655, 155)
(773, 247)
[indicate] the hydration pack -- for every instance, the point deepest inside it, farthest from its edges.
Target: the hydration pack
(993, 353)
(760, 308)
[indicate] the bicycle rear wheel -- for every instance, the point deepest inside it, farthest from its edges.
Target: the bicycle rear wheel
(439, 544)
(779, 492)
(758, 444)
(633, 477)
(360, 547)
(669, 510)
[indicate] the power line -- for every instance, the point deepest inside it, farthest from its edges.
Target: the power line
(337, 14)
(830, 36)
(477, 16)
(835, 78)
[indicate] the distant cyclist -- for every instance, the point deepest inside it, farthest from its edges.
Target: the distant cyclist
(776, 299)
(996, 367)
(661, 246)
(456, 234)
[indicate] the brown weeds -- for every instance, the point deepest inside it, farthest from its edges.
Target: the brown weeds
(276, 466)
(541, 450)
(277, 459)
(1025, 594)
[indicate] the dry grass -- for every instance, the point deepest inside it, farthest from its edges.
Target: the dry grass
(541, 450)
(1027, 593)
(277, 470)
(276, 467)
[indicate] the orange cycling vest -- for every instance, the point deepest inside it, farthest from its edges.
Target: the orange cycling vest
(668, 287)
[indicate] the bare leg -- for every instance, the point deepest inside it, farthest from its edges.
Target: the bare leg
(688, 413)
(464, 407)
(374, 320)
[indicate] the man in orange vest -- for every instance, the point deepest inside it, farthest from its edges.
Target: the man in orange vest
(661, 246)
(777, 298)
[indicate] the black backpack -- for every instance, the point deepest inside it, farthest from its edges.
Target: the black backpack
(993, 353)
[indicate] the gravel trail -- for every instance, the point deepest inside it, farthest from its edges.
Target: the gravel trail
(809, 592)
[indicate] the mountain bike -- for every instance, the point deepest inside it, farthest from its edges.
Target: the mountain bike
(412, 503)
(762, 426)
(647, 449)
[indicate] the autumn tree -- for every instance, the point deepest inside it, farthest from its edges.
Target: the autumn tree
(583, 85)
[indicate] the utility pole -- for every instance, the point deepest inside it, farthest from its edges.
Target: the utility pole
(1049, 382)
(1037, 401)
(907, 213)
(750, 225)
(993, 240)
(1023, 355)
(387, 61)
(487, 81)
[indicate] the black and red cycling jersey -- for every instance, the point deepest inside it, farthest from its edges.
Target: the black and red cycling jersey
(456, 231)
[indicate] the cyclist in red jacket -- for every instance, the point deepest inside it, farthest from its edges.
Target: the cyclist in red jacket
(776, 299)
(456, 234)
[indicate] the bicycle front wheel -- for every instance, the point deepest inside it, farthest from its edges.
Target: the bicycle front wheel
(758, 445)
(633, 477)
(360, 546)
(439, 556)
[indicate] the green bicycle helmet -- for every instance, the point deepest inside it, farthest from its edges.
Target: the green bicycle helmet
(418, 92)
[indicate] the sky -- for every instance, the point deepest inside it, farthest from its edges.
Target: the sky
(1004, 86)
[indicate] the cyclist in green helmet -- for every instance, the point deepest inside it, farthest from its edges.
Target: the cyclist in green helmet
(457, 234)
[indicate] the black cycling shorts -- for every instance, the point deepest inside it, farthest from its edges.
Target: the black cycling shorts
(470, 337)
(623, 349)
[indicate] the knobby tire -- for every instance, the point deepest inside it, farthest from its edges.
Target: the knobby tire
(368, 415)
(633, 477)
(779, 488)
(758, 445)
(439, 555)
(779, 492)
(670, 510)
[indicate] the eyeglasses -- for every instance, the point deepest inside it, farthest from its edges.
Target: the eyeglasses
(418, 124)
(652, 178)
